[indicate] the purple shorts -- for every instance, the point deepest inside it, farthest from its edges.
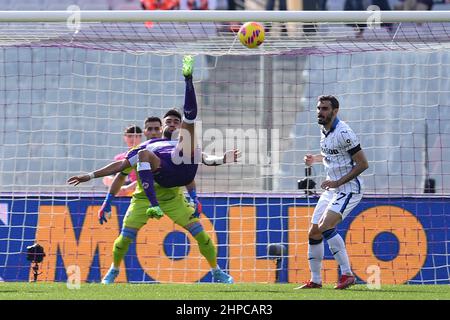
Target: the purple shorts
(171, 175)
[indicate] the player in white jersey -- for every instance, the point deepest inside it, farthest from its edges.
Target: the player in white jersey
(344, 161)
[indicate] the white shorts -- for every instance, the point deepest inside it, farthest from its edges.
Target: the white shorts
(339, 202)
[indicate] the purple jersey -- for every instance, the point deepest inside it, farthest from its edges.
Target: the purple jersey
(169, 174)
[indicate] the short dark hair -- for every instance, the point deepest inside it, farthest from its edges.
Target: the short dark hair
(133, 129)
(173, 112)
(153, 119)
(334, 102)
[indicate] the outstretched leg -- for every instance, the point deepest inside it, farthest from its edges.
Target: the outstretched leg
(187, 143)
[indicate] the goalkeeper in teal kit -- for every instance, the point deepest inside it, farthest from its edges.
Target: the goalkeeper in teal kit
(160, 186)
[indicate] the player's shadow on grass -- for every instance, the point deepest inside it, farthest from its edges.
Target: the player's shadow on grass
(365, 289)
(247, 291)
(20, 291)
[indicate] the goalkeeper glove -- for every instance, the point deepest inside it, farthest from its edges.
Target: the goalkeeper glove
(105, 210)
(155, 212)
(197, 204)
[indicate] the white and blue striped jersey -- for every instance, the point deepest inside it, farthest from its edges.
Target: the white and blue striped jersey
(337, 147)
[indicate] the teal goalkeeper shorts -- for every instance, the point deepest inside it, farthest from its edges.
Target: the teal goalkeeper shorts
(171, 201)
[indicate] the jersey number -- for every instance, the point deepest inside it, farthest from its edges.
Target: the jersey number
(342, 195)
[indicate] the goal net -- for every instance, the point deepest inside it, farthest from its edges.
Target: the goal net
(72, 81)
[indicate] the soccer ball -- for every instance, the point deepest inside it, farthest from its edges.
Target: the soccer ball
(251, 34)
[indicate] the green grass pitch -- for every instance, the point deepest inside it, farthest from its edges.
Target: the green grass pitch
(203, 291)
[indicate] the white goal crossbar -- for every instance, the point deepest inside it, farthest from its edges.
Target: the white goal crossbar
(215, 32)
(223, 16)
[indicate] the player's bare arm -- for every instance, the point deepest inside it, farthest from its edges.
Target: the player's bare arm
(192, 190)
(191, 186)
(117, 189)
(124, 189)
(310, 159)
(210, 160)
(110, 169)
(229, 156)
(127, 189)
(361, 164)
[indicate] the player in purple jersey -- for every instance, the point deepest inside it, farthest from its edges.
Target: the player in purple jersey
(168, 173)
(170, 163)
(171, 201)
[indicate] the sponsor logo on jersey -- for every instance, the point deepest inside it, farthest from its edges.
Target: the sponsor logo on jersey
(329, 151)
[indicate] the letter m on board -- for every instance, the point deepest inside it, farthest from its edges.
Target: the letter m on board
(56, 233)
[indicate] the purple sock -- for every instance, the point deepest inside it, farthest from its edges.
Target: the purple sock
(146, 176)
(190, 101)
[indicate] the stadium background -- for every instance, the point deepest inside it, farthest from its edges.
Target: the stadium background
(55, 124)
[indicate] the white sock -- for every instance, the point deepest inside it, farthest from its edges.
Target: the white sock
(216, 268)
(112, 267)
(315, 257)
(143, 166)
(337, 247)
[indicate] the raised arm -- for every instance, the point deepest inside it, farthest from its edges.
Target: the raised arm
(104, 212)
(111, 168)
(228, 157)
(310, 159)
(191, 188)
(116, 186)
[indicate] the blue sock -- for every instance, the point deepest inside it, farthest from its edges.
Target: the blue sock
(146, 176)
(190, 101)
